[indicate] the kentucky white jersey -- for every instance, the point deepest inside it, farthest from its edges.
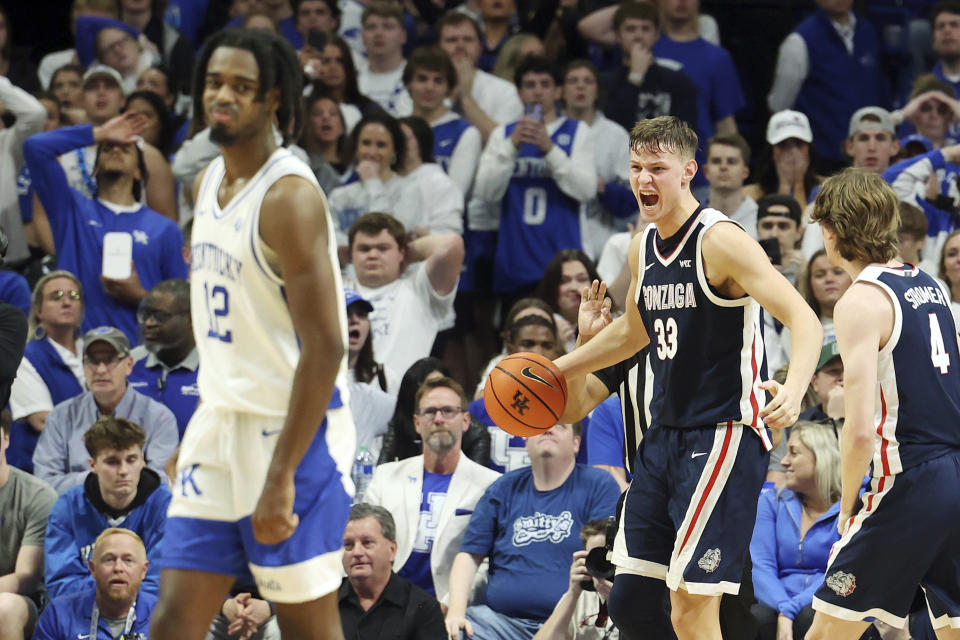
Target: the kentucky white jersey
(245, 335)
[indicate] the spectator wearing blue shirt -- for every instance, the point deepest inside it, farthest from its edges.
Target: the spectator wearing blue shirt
(828, 68)
(79, 224)
(61, 458)
(526, 524)
(51, 370)
(165, 365)
(795, 529)
(114, 606)
(710, 67)
(15, 290)
(118, 492)
(606, 442)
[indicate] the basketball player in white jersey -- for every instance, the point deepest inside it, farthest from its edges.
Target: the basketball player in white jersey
(262, 483)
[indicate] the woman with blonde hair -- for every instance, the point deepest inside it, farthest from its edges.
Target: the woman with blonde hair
(52, 367)
(796, 527)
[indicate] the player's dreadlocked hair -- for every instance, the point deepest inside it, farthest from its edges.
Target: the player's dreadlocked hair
(278, 66)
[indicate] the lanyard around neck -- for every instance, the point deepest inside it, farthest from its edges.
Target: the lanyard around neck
(95, 620)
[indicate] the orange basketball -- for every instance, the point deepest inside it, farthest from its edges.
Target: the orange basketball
(525, 394)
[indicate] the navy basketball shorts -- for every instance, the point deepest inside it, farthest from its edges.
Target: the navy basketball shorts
(907, 534)
(689, 512)
(223, 462)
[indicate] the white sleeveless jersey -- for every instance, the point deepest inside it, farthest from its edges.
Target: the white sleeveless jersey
(245, 336)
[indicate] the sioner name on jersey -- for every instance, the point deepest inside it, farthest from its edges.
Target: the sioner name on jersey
(531, 168)
(917, 296)
(663, 297)
(206, 256)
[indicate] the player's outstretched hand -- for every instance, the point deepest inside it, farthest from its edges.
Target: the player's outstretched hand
(455, 624)
(782, 411)
(594, 312)
(274, 520)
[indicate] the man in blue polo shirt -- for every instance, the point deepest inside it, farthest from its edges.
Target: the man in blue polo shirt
(165, 365)
(79, 224)
(113, 607)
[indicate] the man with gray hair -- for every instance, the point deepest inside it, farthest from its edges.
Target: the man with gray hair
(373, 599)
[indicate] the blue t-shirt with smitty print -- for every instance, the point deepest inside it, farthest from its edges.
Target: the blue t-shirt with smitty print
(530, 536)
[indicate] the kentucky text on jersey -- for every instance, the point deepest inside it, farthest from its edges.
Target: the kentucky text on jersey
(531, 168)
(669, 296)
(917, 296)
(206, 256)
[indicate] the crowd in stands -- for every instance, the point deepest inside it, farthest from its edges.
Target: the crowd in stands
(474, 157)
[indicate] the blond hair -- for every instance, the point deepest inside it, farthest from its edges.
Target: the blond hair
(35, 329)
(825, 447)
(106, 533)
(861, 208)
(664, 134)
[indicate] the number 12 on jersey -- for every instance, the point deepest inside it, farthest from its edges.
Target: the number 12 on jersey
(218, 307)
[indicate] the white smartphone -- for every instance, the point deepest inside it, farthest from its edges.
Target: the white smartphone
(117, 255)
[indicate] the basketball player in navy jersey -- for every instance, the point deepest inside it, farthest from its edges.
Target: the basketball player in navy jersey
(697, 283)
(898, 342)
(260, 487)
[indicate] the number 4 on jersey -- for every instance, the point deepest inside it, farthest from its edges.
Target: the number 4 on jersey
(938, 353)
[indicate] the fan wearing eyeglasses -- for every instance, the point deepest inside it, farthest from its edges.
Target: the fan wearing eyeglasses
(61, 458)
(443, 482)
(165, 365)
(50, 371)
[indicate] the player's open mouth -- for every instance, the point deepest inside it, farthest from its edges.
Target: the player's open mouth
(649, 199)
(354, 334)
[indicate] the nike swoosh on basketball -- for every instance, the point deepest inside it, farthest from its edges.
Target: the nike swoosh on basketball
(267, 434)
(649, 266)
(697, 455)
(526, 373)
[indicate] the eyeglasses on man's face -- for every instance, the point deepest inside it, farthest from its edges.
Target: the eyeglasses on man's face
(158, 316)
(448, 412)
(110, 363)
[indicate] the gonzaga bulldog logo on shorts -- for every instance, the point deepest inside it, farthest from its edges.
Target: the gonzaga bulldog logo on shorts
(842, 583)
(710, 560)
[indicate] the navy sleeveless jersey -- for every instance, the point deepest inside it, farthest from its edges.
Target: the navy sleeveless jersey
(445, 139)
(537, 219)
(706, 351)
(917, 414)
